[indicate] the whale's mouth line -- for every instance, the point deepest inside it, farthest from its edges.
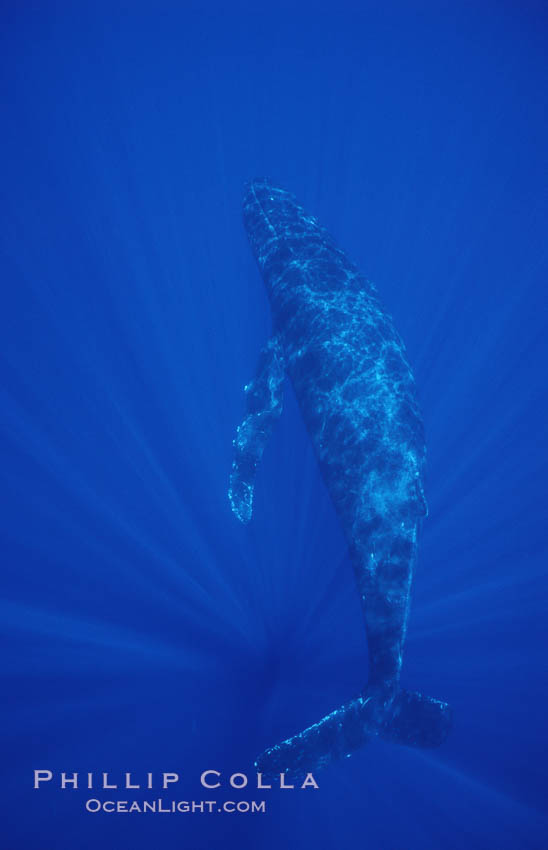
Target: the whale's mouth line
(276, 236)
(263, 211)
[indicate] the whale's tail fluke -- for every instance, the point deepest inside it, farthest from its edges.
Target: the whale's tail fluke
(417, 721)
(411, 719)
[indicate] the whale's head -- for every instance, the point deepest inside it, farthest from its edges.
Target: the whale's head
(270, 214)
(277, 227)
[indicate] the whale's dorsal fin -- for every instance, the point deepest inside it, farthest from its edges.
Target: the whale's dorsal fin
(264, 406)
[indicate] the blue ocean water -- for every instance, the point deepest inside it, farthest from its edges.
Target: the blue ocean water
(145, 628)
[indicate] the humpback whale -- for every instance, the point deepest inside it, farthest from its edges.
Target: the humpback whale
(356, 392)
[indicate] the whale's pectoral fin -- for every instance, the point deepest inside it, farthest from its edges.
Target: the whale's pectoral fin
(264, 407)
